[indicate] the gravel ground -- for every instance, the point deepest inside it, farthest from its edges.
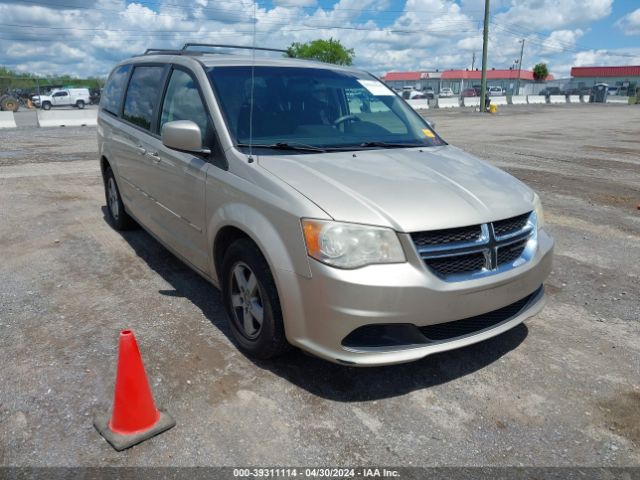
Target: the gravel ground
(562, 390)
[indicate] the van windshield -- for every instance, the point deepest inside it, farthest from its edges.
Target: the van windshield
(316, 108)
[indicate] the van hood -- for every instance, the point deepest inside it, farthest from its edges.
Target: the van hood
(405, 189)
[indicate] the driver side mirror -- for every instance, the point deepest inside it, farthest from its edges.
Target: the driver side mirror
(184, 136)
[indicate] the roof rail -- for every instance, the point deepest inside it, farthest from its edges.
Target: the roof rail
(166, 51)
(185, 49)
(215, 45)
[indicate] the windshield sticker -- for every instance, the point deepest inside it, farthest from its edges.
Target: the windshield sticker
(428, 133)
(376, 88)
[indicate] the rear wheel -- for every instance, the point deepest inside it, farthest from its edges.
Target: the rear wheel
(80, 104)
(252, 302)
(116, 213)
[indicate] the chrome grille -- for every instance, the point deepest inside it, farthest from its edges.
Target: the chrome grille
(511, 252)
(457, 254)
(458, 264)
(450, 235)
(510, 225)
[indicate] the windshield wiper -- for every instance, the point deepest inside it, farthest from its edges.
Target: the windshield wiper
(299, 147)
(391, 145)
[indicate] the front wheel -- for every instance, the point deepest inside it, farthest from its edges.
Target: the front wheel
(252, 303)
(46, 106)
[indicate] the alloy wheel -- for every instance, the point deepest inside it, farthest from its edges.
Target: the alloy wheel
(246, 301)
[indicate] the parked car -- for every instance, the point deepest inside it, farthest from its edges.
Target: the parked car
(359, 236)
(551, 91)
(412, 94)
(469, 92)
(77, 97)
(495, 91)
(446, 92)
(586, 91)
(429, 93)
(613, 91)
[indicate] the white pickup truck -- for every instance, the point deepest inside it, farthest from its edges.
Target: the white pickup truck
(77, 97)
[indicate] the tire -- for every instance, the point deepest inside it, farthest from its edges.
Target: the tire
(118, 217)
(46, 106)
(80, 104)
(244, 266)
(9, 104)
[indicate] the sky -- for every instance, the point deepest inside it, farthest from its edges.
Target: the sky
(81, 38)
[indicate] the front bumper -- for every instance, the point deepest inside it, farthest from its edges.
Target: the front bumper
(321, 311)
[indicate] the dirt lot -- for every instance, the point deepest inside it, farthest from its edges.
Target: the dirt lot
(564, 389)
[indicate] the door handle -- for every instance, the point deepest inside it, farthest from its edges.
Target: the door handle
(155, 156)
(141, 150)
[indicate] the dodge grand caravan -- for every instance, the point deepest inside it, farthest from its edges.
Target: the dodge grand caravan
(331, 216)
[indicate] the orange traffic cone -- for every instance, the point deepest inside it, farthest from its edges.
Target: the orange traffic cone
(135, 417)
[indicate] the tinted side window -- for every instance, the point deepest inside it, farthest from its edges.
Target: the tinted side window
(142, 95)
(182, 102)
(112, 92)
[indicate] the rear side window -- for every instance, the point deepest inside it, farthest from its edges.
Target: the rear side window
(112, 92)
(143, 95)
(183, 102)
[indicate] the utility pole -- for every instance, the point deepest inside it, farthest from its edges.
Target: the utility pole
(473, 61)
(485, 47)
(520, 66)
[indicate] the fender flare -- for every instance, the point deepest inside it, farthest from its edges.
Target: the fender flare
(263, 233)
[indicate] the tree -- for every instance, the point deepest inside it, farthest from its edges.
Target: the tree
(540, 71)
(328, 51)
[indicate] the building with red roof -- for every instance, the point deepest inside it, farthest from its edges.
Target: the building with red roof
(622, 80)
(458, 80)
(606, 72)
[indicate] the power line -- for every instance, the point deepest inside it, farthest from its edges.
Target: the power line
(555, 44)
(284, 22)
(239, 17)
(195, 8)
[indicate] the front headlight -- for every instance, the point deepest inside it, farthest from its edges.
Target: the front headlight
(348, 245)
(537, 205)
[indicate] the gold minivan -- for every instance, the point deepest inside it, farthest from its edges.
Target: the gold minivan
(331, 216)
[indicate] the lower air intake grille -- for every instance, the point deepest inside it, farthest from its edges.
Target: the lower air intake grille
(392, 335)
(459, 328)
